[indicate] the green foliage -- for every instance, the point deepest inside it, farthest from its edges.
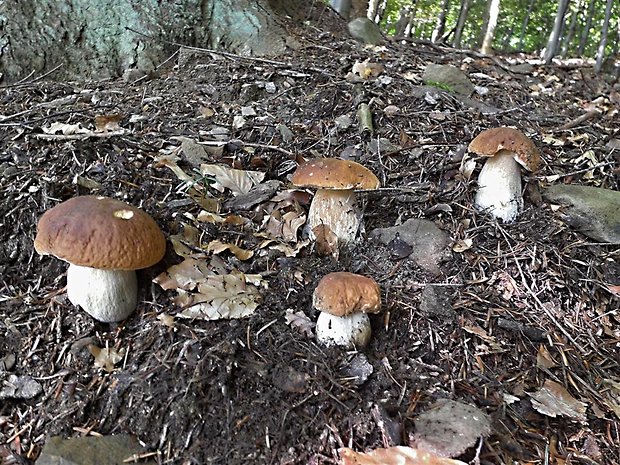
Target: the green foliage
(510, 34)
(439, 85)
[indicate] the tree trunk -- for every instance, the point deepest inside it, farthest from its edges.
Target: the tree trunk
(585, 32)
(90, 38)
(373, 9)
(526, 20)
(487, 43)
(460, 25)
(359, 9)
(485, 24)
(440, 25)
(600, 54)
(342, 7)
(570, 34)
(554, 37)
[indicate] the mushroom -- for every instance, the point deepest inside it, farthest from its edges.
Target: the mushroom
(344, 300)
(105, 241)
(499, 181)
(335, 205)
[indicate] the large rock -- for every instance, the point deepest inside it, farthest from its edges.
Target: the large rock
(449, 78)
(365, 30)
(428, 244)
(92, 450)
(592, 210)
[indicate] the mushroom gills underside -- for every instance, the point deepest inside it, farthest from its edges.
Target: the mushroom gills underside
(106, 295)
(499, 187)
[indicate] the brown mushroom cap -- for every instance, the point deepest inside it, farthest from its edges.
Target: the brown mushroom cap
(343, 293)
(100, 232)
(333, 173)
(490, 142)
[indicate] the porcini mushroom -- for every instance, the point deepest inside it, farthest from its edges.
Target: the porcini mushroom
(105, 241)
(499, 181)
(335, 204)
(345, 299)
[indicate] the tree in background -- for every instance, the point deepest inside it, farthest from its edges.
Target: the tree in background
(554, 37)
(460, 24)
(600, 54)
(487, 42)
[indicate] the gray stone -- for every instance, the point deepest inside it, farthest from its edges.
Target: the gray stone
(591, 210)
(19, 387)
(436, 301)
(429, 244)
(91, 450)
(365, 30)
(449, 78)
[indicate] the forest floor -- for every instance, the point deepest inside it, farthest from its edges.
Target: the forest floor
(531, 305)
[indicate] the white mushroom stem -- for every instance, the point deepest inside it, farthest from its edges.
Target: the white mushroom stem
(338, 210)
(499, 187)
(106, 295)
(351, 331)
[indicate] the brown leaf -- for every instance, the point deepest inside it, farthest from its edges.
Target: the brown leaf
(105, 123)
(398, 455)
(217, 247)
(105, 358)
(449, 428)
(552, 399)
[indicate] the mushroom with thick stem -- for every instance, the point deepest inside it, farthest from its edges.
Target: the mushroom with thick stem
(499, 181)
(335, 203)
(105, 241)
(345, 299)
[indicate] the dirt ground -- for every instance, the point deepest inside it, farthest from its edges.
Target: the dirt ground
(532, 301)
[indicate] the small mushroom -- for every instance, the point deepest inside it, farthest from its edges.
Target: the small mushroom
(335, 203)
(499, 181)
(344, 300)
(105, 241)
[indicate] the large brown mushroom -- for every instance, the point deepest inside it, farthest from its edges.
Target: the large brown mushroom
(105, 241)
(345, 299)
(335, 203)
(499, 182)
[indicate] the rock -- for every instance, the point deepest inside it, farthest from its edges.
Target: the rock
(20, 387)
(365, 30)
(429, 244)
(436, 301)
(449, 78)
(591, 210)
(91, 450)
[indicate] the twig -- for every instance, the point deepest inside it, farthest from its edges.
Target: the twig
(536, 299)
(595, 113)
(25, 82)
(228, 54)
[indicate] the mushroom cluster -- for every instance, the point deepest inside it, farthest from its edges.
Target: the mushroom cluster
(335, 203)
(105, 241)
(499, 182)
(345, 299)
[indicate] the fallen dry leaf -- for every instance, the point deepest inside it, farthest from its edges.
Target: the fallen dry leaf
(462, 245)
(238, 181)
(105, 123)
(217, 247)
(449, 428)
(106, 358)
(221, 296)
(300, 321)
(552, 399)
(185, 275)
(398, 455)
